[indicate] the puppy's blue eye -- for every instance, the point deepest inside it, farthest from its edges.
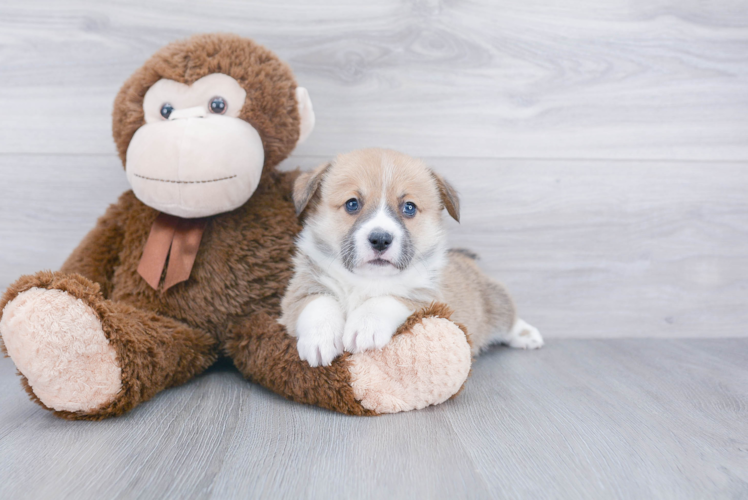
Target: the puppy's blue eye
(351, 205)
(166, 110)
(409, 209)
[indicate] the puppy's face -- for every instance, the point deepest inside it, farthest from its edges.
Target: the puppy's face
(376, 211)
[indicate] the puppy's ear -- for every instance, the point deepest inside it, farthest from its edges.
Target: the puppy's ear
(449, 197)
(306, 185)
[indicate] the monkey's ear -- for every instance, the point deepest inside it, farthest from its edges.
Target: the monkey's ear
(306, 185)
(449, 197)
(306, 114)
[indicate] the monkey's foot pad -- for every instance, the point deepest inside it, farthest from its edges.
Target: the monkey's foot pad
(57, 343)
(424, 366)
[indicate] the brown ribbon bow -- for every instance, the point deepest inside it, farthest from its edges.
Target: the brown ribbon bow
(179, 239)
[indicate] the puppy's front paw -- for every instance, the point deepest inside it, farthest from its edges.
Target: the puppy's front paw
(524, 336)
(372, 325)
(320, 331)
(367, 331)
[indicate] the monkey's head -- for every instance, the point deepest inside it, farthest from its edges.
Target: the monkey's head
(203, 119)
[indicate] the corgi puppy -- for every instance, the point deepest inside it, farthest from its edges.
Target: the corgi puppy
(373, 250)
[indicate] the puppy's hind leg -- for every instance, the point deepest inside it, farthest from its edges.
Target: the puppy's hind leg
(521, 335)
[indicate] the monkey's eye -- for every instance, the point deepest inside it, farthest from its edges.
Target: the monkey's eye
(218, 105)
(352, 206)
(409, 209)
(166, 110)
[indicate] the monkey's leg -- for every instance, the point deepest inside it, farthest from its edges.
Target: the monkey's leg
(85, 357)
(426, 363)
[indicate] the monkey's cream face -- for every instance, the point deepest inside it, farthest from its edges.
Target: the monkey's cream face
(194, 156)
(379, 213)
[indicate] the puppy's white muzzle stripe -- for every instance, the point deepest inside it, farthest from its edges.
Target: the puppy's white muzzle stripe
(381, 222)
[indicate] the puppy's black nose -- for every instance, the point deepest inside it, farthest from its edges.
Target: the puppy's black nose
(380, 240)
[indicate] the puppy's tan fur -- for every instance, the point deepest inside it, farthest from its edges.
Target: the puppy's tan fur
(421, 270)
(479, 303)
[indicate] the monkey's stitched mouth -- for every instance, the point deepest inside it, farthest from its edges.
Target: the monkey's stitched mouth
(183, 182)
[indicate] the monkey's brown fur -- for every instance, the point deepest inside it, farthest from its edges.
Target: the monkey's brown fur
(230, 304)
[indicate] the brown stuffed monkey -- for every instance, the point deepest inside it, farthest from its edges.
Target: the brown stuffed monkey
(193, 262)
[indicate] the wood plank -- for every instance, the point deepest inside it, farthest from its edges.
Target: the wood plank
(349, 458)
(628, 419)
(616, 418)
(653, 80)
(612, 249)
(53, 203)
(589, 249)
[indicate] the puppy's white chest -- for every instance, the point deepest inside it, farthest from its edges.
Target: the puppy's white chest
(352, 295)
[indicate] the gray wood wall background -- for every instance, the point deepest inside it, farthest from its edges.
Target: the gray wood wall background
(600, 147)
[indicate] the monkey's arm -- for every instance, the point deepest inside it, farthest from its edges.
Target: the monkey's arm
(97, 256)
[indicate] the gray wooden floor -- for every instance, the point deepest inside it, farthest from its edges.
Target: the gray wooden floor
(601, 151)
(616, 418)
